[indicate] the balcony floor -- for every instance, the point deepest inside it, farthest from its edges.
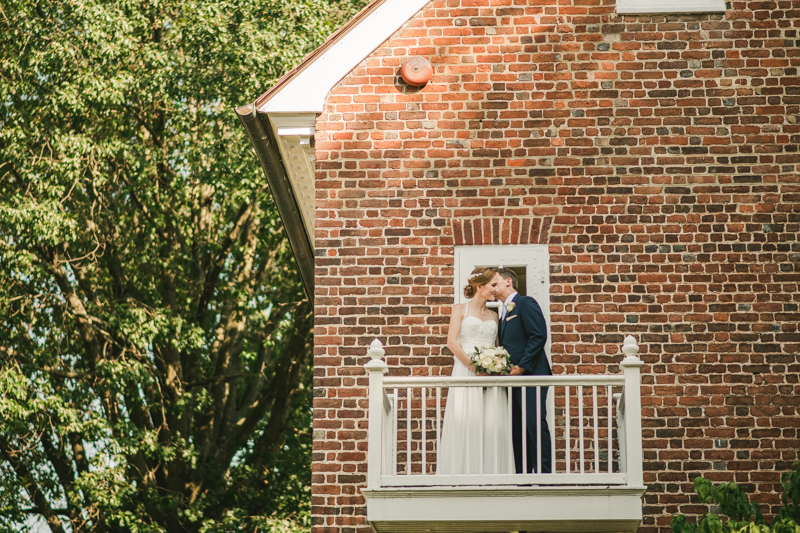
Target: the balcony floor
(606, 509)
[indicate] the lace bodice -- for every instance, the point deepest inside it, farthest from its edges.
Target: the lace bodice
(476, 332)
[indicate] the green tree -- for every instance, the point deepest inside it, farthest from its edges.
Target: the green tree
(155, 346)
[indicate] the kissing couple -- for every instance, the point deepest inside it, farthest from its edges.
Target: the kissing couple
(476, 435)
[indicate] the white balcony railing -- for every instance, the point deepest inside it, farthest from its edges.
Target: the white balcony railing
(596, 449)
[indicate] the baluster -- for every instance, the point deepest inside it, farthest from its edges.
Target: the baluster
(552, 435)
(496, 395)
(567, 424)
(524, 430)
(438, 424)
(480, 430)
(538, 431)
(424, 433)
(580, 419)
(595, 430)
(394, 438)
(466, 446)
(621, 427)
(408, 431)
(385, 437)
(610, 455)
(509, 393)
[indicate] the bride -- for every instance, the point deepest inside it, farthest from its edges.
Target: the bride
(475, 421)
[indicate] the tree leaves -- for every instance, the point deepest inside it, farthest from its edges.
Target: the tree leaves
(156, 353)
(745, 517)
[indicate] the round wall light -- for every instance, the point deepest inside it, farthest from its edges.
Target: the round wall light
(416, 71)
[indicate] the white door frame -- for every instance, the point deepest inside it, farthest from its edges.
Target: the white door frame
(536, 260)
(534, 257)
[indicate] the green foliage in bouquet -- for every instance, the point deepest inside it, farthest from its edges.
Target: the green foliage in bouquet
(743, 516)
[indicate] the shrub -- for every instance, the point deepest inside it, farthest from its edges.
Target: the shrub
(743, 516)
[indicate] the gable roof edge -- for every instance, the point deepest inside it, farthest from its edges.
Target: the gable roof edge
(266, 146)
(305, 88)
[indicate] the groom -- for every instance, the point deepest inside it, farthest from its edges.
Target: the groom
(523, 333)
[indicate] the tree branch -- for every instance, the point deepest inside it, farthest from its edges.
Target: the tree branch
(214, 265)
(31, 486)
(87, 331)
(277, 393)
(66, 476)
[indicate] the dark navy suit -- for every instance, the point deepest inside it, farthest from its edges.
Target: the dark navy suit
(523, 333)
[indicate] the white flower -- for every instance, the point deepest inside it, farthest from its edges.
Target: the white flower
(510, 307)
(490, 359)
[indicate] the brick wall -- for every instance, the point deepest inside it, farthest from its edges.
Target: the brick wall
(661, 152)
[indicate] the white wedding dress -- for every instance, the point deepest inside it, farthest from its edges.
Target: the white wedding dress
(475, 420)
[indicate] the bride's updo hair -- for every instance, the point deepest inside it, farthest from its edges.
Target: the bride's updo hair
(480, 276)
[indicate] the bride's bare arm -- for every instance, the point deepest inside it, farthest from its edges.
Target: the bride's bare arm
(497, 323)
(452, 336)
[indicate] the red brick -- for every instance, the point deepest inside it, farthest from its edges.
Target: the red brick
(655, 162)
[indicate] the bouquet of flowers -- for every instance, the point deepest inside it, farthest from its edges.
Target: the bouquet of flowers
(491, 360)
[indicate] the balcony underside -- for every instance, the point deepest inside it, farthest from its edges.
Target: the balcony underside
(605, 509)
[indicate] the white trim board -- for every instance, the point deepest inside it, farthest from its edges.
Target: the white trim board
(653, 7)
(307, 92)
(595, 508)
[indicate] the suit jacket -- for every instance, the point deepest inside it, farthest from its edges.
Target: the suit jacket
(524, 334)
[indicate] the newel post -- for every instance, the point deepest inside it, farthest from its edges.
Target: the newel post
(376, 368)
(631, 368)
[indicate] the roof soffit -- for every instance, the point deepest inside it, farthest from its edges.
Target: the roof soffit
(295, 135)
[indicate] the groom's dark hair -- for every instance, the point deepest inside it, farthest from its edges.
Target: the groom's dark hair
(507, 273)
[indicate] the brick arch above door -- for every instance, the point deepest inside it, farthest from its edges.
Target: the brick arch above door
(497, 230)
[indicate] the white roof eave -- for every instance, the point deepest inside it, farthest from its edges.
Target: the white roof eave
(308, 90)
